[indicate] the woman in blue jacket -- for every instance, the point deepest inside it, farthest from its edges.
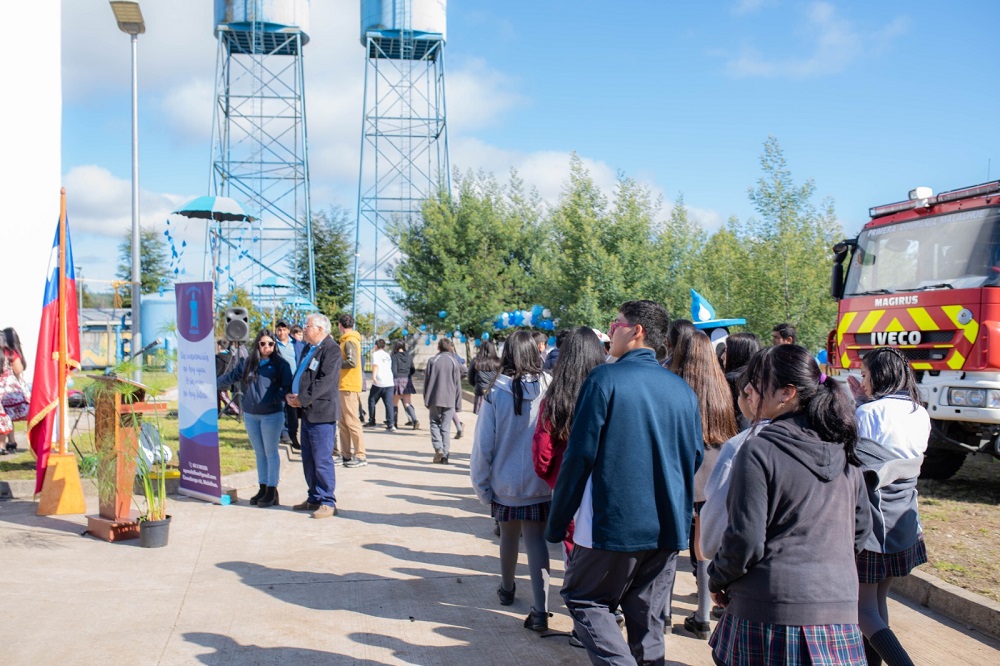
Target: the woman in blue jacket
(266, 378)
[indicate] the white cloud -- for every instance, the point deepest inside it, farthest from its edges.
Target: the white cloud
(477, 95)
(836, 44)
(99, 203)
(187, 109)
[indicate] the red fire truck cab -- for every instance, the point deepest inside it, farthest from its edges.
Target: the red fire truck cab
(924, 276)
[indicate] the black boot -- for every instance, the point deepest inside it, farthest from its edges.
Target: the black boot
(260, 493)
(270, 497)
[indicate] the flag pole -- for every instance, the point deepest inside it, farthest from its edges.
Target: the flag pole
(63, 343)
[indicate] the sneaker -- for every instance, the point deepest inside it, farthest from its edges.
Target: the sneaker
(356, 461)
(369, 424)
(305, 506)
(700, 630)
(324, 511)
(444, 460)
(285, 439)
(574, 641)
(506, 596)
(537, 620)
(438, 457)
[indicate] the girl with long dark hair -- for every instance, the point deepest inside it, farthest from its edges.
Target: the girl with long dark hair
(482, 371)
(266, 378)
(893, 430)
(14, 393)
(740, 348)
(700, 368)
(402, 377)
(678, 334)
(798, 513)
(504, 477)
(581, 352)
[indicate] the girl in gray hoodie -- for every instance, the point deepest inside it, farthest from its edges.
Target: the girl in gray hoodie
(503, 473)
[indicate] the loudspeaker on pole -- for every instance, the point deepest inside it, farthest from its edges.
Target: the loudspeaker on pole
(237, 325)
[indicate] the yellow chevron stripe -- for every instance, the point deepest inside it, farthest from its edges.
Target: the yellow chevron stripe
(956, 361)
(922, 366)
(845, 361)
(894, 325)
(845, 323)
(971, 330)
(870, 320)
(922, 319)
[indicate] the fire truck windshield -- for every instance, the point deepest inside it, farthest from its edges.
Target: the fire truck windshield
(959, 250)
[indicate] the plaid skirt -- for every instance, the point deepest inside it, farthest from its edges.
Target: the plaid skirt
(403, 386)
(538, 513)
(876, 567)
(738, 642)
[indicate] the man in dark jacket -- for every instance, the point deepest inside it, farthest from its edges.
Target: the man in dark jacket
(442, 397)
(316, 394)
(627, 477)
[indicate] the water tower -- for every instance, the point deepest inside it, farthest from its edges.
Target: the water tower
(404, 134)
(260, 149)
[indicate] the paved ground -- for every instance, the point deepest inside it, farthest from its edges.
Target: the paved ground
(405, 575)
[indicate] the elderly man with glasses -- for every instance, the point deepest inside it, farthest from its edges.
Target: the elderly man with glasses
(316, 394)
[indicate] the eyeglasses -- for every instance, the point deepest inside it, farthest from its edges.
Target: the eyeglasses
(265, 343)
(615, 325)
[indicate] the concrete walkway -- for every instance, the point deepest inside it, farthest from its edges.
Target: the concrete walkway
(405, 575)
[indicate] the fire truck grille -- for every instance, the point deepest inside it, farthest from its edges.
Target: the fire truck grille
(926, 337)
(916, 355)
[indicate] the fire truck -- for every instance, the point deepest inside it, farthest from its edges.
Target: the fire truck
(924, 276)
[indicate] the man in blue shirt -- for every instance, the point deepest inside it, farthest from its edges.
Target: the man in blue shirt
(316, 394)
(628, 480)
(291, 350)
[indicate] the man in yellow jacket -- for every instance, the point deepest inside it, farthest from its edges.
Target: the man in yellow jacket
(352, 443)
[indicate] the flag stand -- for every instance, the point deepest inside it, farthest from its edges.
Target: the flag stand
(62, 493)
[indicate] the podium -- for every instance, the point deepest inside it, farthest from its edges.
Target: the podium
(119, 405)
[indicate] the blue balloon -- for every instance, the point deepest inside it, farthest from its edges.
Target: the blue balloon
(434, 337)
(536, 310)
(485, 336)
(405, 332)
(478, 342)
(551, 342)
(442, 314)
(464, 339)
(427, 341)
(423, 327)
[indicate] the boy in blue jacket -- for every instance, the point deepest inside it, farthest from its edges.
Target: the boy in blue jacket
(627, 480)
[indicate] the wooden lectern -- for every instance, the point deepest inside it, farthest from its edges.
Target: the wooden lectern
(119, 405)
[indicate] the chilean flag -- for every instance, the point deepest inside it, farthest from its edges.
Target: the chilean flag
(45, 386)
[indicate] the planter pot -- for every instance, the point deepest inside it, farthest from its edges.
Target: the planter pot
(154, 533)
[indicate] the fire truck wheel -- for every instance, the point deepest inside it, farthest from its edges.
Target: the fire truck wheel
(940, 465)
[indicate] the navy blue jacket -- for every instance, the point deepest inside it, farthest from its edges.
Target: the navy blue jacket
(635, 445)
(265, 394)
(319, 385)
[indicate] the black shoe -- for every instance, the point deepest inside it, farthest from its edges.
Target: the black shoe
(718, 612)
(369, 424)
(496, 528)
(537, 620)
(444, 460)
(270, 498)
(506, 596)
(461, 431)
(416, 425)
(700, 630)
(260, 493)
(11, 447)
(296, 448)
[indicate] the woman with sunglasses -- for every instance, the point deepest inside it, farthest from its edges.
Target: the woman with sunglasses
(798, 514)
(893, 429)
(265, 377)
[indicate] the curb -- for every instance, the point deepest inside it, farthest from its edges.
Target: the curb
(968, 608)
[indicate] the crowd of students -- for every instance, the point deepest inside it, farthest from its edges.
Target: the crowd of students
(795, 494)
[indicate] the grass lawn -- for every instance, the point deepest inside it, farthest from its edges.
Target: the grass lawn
(235, 452)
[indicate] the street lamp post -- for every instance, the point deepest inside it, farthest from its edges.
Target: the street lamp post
(129, 18)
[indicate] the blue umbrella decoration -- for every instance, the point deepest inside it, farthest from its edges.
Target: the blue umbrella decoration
(218, 210)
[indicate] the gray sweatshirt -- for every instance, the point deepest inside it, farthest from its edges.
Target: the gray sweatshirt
(798, 513)
(501, 467)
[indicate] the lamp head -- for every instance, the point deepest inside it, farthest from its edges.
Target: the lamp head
(129, 17)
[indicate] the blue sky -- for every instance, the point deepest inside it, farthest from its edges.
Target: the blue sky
(867, 99)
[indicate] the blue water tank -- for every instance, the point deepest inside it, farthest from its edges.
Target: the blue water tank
(417, 16)
(159, 319)
(271, 14)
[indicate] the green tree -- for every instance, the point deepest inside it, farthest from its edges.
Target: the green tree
(154, 262)
(468, 256)
(678, 246)
(333, 257)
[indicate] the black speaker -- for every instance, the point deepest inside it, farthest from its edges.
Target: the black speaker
(237, 325)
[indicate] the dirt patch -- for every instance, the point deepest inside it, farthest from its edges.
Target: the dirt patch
(962, 527)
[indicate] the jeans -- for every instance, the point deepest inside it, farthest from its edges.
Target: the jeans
(317, 461)
(440, 418)
(264, 431)
(383, 393)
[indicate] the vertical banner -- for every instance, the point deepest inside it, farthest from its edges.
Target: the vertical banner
(196, 400)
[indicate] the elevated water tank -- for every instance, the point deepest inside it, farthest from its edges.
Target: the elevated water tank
(273, 15)
(159, 318)
(421, 17)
